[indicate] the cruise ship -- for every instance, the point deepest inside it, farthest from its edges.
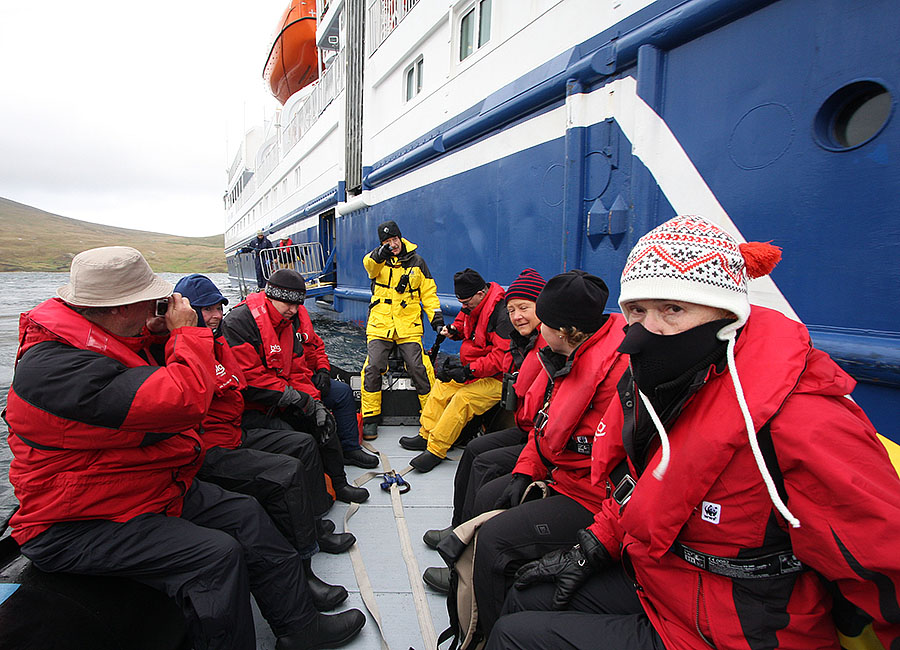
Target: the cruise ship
(503, 134)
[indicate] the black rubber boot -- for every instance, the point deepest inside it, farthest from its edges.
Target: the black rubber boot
(413, 443)
(350, 494)
(425, 462)
(437, 578)
(332, 542)
(326, 631)
(360, 458)
(325, 597)
(435, 536)
(370, 427)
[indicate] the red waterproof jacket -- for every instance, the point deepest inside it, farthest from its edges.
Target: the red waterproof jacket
(222, 424)
(527, 404)
(839, 482)
(580, 394)
(273, 352)
(97, 431)
(485, 333)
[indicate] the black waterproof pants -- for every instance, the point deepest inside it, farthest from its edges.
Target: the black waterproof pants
(302, 447)
(330, 453)
(604, 614)
(519, 535)
(221, 548)
(275, 480)
(484, 458)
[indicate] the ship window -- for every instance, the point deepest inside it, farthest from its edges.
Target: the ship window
(853, 115)
(414, 74)
(476, 20)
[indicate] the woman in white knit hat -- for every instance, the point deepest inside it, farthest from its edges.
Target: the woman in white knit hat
(751, 499)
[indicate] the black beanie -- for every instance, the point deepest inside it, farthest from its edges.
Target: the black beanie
(573, 299)
(467, 283)
(286, 285)
(387, 230)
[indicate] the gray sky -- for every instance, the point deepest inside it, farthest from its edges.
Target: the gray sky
(120, 112)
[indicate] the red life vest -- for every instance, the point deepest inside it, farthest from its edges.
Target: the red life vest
(577, 404)
(65, 469)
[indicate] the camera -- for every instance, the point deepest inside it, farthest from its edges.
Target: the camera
(162, 306)
(508, 398)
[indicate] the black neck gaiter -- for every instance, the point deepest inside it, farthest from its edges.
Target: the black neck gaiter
(658, 359)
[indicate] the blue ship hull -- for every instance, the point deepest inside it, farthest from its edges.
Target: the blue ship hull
(752, 94)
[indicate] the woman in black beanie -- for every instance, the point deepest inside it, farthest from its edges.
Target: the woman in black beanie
(581, 367)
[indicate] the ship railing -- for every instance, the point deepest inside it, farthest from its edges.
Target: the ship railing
(306, 259)
(383, 18)
(327, 88)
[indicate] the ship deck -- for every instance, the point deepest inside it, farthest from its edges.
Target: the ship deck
(428, 504)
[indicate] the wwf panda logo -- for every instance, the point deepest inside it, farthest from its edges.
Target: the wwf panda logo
(711, 512)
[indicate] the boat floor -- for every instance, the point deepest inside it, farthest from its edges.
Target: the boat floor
(428, 504)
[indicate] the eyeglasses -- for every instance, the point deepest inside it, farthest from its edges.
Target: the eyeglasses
(465, 303)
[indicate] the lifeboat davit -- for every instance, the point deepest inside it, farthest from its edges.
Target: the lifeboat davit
(293, 60)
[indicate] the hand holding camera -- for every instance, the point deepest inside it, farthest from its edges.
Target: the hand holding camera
(382, 253)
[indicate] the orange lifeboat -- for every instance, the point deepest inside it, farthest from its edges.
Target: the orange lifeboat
(293, 60)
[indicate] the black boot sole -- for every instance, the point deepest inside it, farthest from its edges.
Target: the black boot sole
(334, 643)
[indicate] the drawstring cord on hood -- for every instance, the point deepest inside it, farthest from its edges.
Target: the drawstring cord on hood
(660, 470)
(754, 443)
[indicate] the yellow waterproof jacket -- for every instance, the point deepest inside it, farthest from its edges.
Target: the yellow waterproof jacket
(401, 287)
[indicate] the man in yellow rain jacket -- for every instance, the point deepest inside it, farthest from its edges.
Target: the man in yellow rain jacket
(402, 287)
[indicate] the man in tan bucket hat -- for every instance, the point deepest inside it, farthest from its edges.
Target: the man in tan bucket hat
(106, 444)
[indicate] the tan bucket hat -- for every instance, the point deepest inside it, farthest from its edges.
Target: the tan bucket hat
(112, 276)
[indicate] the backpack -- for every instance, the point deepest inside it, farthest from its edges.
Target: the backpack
(458, 551)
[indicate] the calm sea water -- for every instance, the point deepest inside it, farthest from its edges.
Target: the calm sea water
(345, 342)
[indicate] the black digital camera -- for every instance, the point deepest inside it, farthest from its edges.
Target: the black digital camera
(508, 398)
(162, 306)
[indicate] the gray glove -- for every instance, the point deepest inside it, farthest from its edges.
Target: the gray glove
(568, 568)
(292, 398)
(325, 422)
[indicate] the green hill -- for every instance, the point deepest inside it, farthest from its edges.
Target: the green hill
(34, 240)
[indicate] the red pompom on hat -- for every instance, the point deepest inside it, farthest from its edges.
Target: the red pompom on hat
(759, 258)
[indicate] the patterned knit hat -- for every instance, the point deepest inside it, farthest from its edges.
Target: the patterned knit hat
(526, 287)
(286, 285)
(693, 260)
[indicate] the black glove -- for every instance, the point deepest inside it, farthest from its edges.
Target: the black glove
(325, 422)
(437, 322)
(514, 491)
(453, 370)
(452, 333)
(382, 253)
(292, 398)
(460, 374)
(568, 568)
(322, 380)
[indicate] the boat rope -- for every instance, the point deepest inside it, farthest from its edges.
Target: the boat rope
(397, 486)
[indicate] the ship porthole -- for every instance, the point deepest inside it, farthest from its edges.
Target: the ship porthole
(853, 115)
